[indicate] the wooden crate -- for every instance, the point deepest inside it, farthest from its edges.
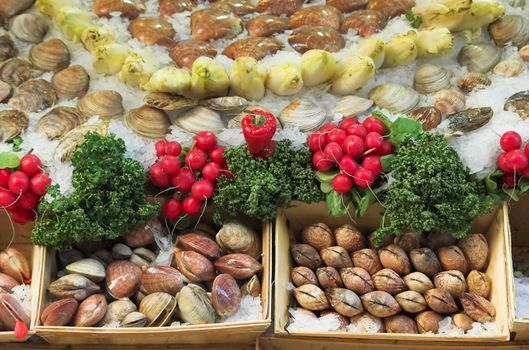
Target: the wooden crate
(518, 237)
(34, 255)
(294, 219)
(226, 333)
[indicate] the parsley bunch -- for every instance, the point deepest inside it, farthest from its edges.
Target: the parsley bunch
(108, 198)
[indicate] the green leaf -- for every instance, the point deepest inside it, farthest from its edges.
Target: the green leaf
(512, 193)
(524, 185)
(9, 160)
(386, 161)
(326, 176)
(326, 187)
(16, 142)
(491, 183)
(364, 204)
(403, 128)
(381, 116)
(337, 203)
(409, 15)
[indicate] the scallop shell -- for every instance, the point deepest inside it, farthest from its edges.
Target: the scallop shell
(103, 103)
(255, 47)
(364, 22)
(12, 124)
(15, 71)
(59, 121)
(33, 96)
(470, 119)
(168, 102)
(395, 97)
(347, 5)
(279, 7)
(266, 25)
(391, 8)
(29, 27)
(170, 7)
(306, 38)
(519, 103)
(302, 114)
(429, 117)
(185, 52)
(74, 138)
(472, 81)
(214, 23)
(7, 48)
(152, 31)
(430, 79)
(239, 7)
(198, 119)
(450, 101)
(351, 106)
(52, 55)
(316, 15)
(510, 29)
(158, 308)
(128, 8)
(479, 57)
(148, 122)
(510, 68)
(71, 82)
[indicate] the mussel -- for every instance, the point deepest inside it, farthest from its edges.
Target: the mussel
(519, 103)
(59, 121)
(470, 119)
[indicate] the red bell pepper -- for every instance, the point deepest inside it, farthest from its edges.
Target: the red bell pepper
(258, 128)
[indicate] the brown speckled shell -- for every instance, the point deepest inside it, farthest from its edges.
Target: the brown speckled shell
(389, 281)
(162, 279)
(153, 31)
(316, 15)
(266, 25)
(255, 47)
(395, 258)
(91, 311)
(194, 266)
(307, 38)
(368, 260)
(391, 8)
(123, 279)
(279, 7)
(170, 7)
(347, 5)
(214, 23)
(185, 52)
(128, 8)
(59, 313)
(364, 22)
(225, 295)
(240, 266)
(357, 279)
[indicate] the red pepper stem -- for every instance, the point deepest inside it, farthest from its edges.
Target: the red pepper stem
(258, 120)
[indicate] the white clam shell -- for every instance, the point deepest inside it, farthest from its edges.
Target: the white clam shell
(430, 79)
(302, 114)
(350, 106)
(198, 119)
(395, 97)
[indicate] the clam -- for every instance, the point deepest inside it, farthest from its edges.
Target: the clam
(470, 119)
(11, 311)
(214, 23)
(225, 295)
(194, 305)
(395, 97)
(279, 7)
(12, 124)
(200, 244)
(305, 255)
(252, 287)
(439, 300)
(462, 321)
(400, 324)
(254, 47)
(14, 264)
(15, 71)
(450, 101)
(301, 275)
(311, 297)
(104, 256)
(347, 5)
(89, 268)
(142, 235)
(476, 250)
(307, 38)
(478, 283)
(148, 122)
(29, 27)
(418, 282)
(316, 15)
(266, 25)
(239, 7)
(344, 301)
(479, 58)
(71, 82)
(523, 52)
(128, 8)
(142, 257)
(52, 55)
(430, 79)
(228, 105)
(59, 121)
(350, 238)
(103, 103)
(162, 279)
(472, 81)
(336, 256)
(134, 320)
(380, 304)
(350, 106)
(357, 279)
(429, 117)
(368, 260)
(67, 257)
(452, 258)
(510, 68)
(452, 281)
(395, 258)
(74, 138)
(424, 260)
(519, 103)
(158, 308)
(428, 321)
(91, 311)
(73, 286)
(7, 283)
(170, 7)
(240, 266)
(198, 119)
(328, 277)
(121, 251)
(123, 279)
(168, 102)
(185, 52)
(387, 280)
(7, 48)
(303, 114)
(235, 237)
(318, 235)
(194, 266)
(510, 29)
(364, 22)
(9, 8)
(367, 323)
(411, 301)
(408, 241)
(478, 308)
(117, 310)
(59, 313)
(152, 31)
(391, 8)
(33, 96)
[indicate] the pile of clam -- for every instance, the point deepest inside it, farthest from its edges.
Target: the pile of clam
(405, 287)
(125, 285)
(14, 271)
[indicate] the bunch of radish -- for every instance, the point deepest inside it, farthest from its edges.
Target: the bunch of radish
(353, 148)
(513, 162)
(21, 188)
(192, 174)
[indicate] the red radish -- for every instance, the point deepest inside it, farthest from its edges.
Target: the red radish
(38, 183)
(501, 163)
(358, 130)
(510, 140)
(336, 135)
(317, 141)
(172, 208)
(342, 183)
(7, 198)
(21, 329)
(364, 178)
(22, 216)
(211, 171)
(373, 124)
(18, 182)
(28, 200)
(173, 148)
(525, 173)
(202, 190)
(196, 159)
(217, 156)
(372, 162)
(321, 163)
(4, 177)
(374, 141)
(30, 164)
(158, 177)
(348, 165)
(333, 152)
(354, 146)
(160, 147)
(526, 149)
(184, 180)
(508, 180)
(347, 122)
(515, 160)
(191, 205)
(170, 165)
(206, 140)
(328, 127)
(387, 148)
